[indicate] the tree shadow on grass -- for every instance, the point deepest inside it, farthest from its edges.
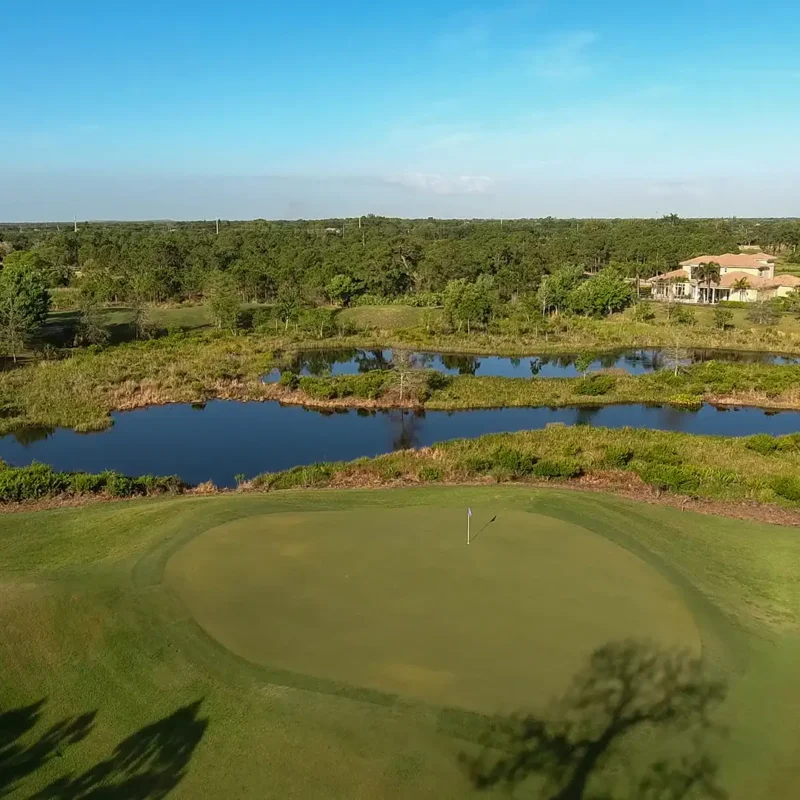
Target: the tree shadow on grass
(18, 760)
(147, 765)
(583, 745)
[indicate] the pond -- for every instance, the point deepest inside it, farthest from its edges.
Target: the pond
(225, 438)
(636, 362)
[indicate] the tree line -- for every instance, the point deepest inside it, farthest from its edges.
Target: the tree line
(338, 260)
(470, 267)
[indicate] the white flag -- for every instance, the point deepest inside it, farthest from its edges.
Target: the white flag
(469, 512)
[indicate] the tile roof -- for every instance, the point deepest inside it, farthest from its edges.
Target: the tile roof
(749, 260)
(727, 281)
(675, 274)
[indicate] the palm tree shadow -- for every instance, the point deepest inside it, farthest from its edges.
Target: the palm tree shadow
(584, 741)
(147, 765)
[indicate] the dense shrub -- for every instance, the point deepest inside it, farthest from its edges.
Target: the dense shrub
(514, 462)
(30, 483)
(369, 385)
(788, 487)
(733, 304)
(683, 316)
(429, 474)
(437, 380)
(595, 386)
(296, 478)
(38, 481)
(660, 454)
(565, 468)
(669, 477)
(763, 443)
(262, 318)
(289, 379)
(419, 300)
(618, 457)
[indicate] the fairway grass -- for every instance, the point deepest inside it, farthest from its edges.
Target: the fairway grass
(335, 644)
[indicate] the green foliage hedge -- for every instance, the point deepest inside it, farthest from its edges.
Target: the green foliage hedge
(39, 481)
(787, 487)
(511, 463)
(369, 385)
(595, 386)
(420, 300)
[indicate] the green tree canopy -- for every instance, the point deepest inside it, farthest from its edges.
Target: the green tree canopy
(602, 294)
(24, 304)
(223, 300)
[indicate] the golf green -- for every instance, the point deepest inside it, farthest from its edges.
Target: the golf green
(395, 600)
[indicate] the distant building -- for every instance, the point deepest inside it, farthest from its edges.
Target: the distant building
(745, 277)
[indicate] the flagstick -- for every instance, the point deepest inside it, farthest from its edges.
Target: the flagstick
(468, 518)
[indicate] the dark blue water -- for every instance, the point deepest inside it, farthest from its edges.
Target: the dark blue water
(636, 362)
(227, 438)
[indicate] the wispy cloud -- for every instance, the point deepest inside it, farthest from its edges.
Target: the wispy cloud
(444, 184)
(564, 57)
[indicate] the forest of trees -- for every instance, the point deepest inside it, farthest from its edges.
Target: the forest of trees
(340, 261)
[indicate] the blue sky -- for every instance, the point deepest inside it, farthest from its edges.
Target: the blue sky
(248, 109)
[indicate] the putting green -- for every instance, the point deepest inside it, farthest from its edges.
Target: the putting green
(394, 600)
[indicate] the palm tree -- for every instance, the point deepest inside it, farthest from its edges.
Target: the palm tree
(741, 285)
(707, 273)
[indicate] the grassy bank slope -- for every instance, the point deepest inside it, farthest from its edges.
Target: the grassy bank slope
(760, 469)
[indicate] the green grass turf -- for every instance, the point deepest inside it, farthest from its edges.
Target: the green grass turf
(385, 318)
(103, 609)
(394, 600)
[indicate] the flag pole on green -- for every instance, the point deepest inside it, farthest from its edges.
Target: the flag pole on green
(469, 517)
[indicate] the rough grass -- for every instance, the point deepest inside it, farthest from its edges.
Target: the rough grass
(385, 318)
(762, 469)
(745, 384)
(89, 626)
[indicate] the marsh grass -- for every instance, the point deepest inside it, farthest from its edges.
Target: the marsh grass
(79, 391)
(712, 467)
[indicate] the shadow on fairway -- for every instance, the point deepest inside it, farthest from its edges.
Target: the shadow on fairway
(146, 766)
(583, 741)
(17, 760)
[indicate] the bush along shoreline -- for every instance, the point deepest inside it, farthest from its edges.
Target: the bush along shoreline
(758, 469)
(40, 482)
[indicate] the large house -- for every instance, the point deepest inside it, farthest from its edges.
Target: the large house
(746, 277)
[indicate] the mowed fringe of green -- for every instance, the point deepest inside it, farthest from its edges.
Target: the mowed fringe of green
(761, 468)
